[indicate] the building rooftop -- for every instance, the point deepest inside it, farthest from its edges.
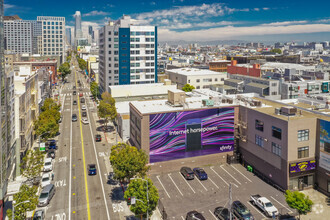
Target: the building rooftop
(195, 72)
(234, 80)
(258, 85)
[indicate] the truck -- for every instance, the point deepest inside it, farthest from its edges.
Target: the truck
(265, 205)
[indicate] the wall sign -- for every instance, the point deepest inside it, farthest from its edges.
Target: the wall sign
(302, 166)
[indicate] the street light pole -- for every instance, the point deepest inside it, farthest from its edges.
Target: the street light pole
(13, 215)
(147, 195)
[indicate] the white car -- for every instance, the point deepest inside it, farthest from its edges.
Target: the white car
(48, 166)
(83, 107)
(45, 180)
(84, 121)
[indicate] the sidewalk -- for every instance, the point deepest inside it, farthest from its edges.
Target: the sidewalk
(320, 209)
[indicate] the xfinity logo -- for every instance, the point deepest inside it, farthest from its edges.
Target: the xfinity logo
(225, 147)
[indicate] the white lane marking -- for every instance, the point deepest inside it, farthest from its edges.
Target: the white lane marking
(231, 175)
(213, 182)
(117, 207)
(63, 103)
(187, 182)
(60, 183)
(60, 216)
(163, 186)
(201, 183)
(242, 174)
(213, 214)
(169, 175)
(182, 217)
(281, 204)
(219, 176)
(70, 172)
(62, 159)
(256, 209)
(98, 165)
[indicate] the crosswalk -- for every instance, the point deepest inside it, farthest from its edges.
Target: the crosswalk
(71, 94)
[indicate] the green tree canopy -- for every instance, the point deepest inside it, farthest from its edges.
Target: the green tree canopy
(82, 63)
(188, 88)
(64, 69)
(25, 193)
(276, 50)
(138, 188)
(128, 162)
(32, 164)
(106, 97)
(95, 90)
(299, 201)
(106, 111)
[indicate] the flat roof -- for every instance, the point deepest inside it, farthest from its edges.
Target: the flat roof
(194, 72)
(258, 85)
(234, 80)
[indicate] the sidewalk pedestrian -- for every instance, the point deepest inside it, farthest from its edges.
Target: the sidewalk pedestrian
(53, 176)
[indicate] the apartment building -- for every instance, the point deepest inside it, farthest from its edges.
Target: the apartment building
(53, 35)
(199, 78)
(219, 65)
(128, 54)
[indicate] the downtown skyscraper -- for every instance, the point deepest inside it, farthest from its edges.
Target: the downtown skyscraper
(68, 35)
(77, 26)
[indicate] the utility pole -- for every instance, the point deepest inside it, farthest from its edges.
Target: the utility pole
(230, 201)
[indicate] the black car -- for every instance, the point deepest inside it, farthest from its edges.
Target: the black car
(74, 102)
(98, 138)
(194, 215)
(187, 173)
(84, 114)
(51, 144)
(222, 213)
(91, 169)
(51, 153)
(241, 211)
(82, 100)
(74, 117)
(74, 87)
(74, 93)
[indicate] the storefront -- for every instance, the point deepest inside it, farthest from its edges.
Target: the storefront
(302, 175)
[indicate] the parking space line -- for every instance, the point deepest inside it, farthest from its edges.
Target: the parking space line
(213, 182)
(163, 186)
(219, 176)
(187, 182)
(242, 174)
(213, 214)
(201, 184)
(231, 175)
(182, 217)
(257, 209)
(169, 175)
(281, 204)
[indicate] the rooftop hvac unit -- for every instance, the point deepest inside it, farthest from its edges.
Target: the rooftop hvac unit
(277, 111)
(289, 111)
(208, 102)
(257, 103)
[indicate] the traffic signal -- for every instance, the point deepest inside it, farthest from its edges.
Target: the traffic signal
(129, 201)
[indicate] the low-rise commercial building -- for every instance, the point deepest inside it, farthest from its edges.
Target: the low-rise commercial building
(219, 65)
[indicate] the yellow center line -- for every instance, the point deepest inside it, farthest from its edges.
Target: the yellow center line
(83, 152)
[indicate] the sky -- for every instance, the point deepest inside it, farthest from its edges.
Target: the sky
(196, 20)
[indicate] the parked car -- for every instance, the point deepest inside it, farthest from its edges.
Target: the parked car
(74, 102)
(74, 117)
(84, 114)
(187, 173)
(84, 121)
(98, 138)
(91, 169)
(265, 205)
(200, 173)
(46, 179)
(48, 166)
(51, 144)
(83, 107)
(194, 215)
(74, 93)
(82, 100)
(222, 213)
(241, 211)
(46, 195)
(39, 215)
(51, 153)
(286, 217)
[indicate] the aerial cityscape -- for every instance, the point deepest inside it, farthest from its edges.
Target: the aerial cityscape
(177, 109)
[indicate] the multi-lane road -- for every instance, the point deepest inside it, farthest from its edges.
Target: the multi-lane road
(79, 196)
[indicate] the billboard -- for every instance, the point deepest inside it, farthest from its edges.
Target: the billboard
(302, 166)
(193, 133)
(324, 160)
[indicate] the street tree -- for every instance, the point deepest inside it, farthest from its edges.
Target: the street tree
(276, 50)
(106, 111)
(95, 90)
(128, 162)
(32, 164)
(188, 88)
(138, 188)
(108, 98)
(82, 63)
(64, 69)
(299, 201)
(26, 193)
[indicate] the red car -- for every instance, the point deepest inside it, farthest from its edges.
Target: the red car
(98, 138)
(80, 94)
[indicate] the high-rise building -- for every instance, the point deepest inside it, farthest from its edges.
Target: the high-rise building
(18, 36)
(77, 25)
(91, 32)
(68, 35)
(128, 54)
(53, 35)
(36, 35)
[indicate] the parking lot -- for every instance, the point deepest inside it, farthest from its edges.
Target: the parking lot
(180, 196)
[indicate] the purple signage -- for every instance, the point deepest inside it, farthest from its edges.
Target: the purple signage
(302, 166)
(185, 134)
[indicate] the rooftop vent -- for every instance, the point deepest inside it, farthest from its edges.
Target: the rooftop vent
(288, 111)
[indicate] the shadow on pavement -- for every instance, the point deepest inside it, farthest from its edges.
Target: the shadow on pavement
(117, 194)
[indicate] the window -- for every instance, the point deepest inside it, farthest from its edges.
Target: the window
(259, 125)
(303, 135)
(277, 132)
(116, 52)
(276, 149)
(303, 152)
(259, 141)
(198, 80)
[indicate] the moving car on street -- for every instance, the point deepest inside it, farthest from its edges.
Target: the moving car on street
(84, 114)
(200, 173)
(74, 93)
(83, 107)
(265, 205)
(187, 173)
(80, 95)
(82, 100)
(74, 102)
(74, 117)
(84, 121)
(91, 169)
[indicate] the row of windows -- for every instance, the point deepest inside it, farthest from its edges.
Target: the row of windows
(53, 49)
(53, 40)
(114, 33)
(52, 23)
(53, 32)
(205, 80)
(142, 70)
(53, 36)
(133, 33)
(53, 45)
(53, 27)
